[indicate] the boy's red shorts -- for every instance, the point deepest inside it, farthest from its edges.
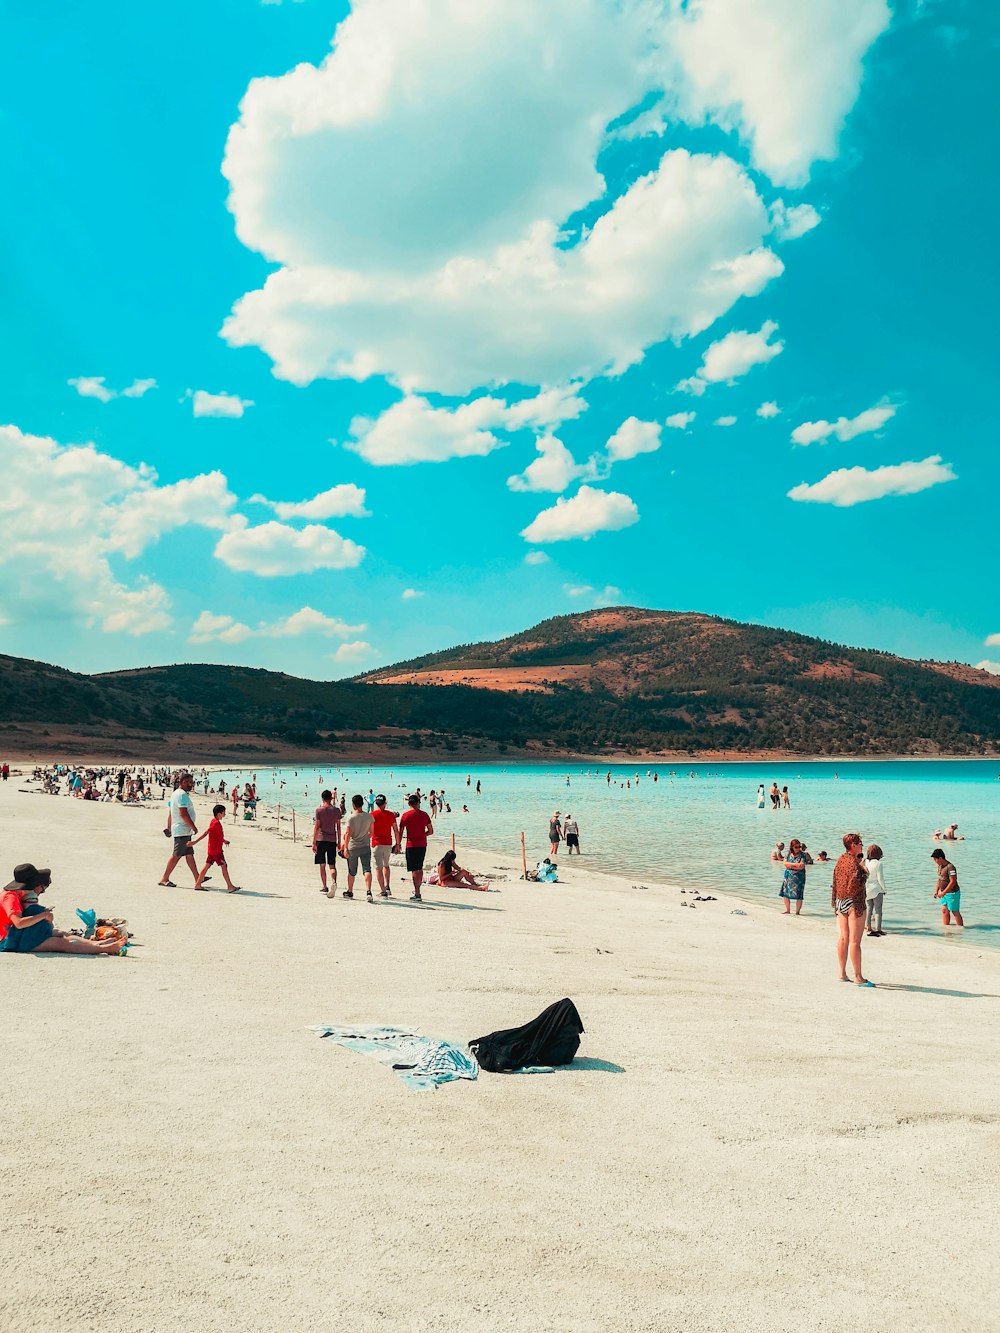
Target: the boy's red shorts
(219, 860)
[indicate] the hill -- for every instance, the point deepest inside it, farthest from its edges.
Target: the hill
(596, 682)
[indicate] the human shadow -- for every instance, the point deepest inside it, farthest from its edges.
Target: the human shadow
(252, 893)
(585, 1063)
(437, 903)
(937, 990)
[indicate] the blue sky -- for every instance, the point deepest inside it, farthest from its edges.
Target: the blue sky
(369, 264)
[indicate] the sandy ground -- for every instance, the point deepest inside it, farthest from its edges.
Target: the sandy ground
(746, 1144)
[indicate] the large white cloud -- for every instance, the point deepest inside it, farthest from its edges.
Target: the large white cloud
(665, 261)
(273, 549)
(70, 514)
(844, 428)
(590, 511)
(733, 356)
(632, 438)
(854, 485)
(782, 73)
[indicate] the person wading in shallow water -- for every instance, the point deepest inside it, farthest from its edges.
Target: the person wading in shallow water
(947, 889)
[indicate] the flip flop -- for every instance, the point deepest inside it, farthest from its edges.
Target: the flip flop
(235, 889)
(198, 888)
(869, 984)
(166, 884)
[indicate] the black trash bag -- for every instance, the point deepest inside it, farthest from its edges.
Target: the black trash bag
(553, 1038)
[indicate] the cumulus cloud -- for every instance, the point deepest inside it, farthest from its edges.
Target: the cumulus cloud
(225, 629)
(590, 511)
(536, 558)
(343, 501)
(206, 404)
(992, 641)
(353, 653)
(411, 431)
(844, 428)
(725, 421)
(633, 437)
(767, 410)
(733, 356)
(783, 75)
(71, 514)
(854, 485)
(95, 386)
(607, 596)
(992, 667)
(792, 221)
(680, 420)
(408, 594)
(547, 409)
(273, 549)
(553, 470)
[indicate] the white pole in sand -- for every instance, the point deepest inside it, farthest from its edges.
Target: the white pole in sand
(524, 859)
(293, 823)
(453, 842)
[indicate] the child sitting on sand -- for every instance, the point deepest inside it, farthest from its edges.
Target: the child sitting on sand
(216, 856)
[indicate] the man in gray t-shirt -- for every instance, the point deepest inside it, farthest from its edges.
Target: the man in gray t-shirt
(357, 846)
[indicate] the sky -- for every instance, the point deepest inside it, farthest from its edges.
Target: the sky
(334, 334)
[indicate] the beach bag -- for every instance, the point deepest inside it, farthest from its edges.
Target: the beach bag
(553, 1038)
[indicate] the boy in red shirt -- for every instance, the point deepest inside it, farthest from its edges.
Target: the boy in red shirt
(216, 856)
(416, 825)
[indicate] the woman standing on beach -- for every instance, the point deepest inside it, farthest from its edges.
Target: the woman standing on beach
(793, 882)
(874, 890)
(848, 901)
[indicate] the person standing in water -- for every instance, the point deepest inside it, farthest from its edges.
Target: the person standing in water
(760, 797)
(571, 833)
(874, 890)
(555, 834)
(947, 889)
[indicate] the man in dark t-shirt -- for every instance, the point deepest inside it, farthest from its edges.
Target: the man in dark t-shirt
(326, 836)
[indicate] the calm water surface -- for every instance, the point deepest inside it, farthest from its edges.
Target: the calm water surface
(699, 824)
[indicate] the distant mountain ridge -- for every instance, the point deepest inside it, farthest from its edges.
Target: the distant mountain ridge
(621, 678)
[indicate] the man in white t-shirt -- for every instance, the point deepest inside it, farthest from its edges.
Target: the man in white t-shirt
(181, 826)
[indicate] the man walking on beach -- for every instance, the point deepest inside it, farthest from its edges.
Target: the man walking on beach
(182, 828)
(357, 846)
(947, 889)
(417, 827)
(325, 840)
(385, 840)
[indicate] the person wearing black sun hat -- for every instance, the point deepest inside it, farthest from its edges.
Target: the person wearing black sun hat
(26, 926)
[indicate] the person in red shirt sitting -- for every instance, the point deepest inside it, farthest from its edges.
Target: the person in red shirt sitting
(216, 856)
(416, 825)
(26, 927)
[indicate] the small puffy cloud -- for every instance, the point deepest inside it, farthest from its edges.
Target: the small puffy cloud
(553, 470)
(992, 641)
(733, 356)
(409, 594)
(992, 667)
(844, 428)
(206, 404)
(353, 653)
(854, 485)
(607, 596)
(632, 438)
(547, 410)
(343, 501)
(95, 386)
(590, 511)
(768, 410)
(680, 420)
(536, 558)
(274, 549)
(790, 223)
(411, 431)
(725, 421)
(225, 629)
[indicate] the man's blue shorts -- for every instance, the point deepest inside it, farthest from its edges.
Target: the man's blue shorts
(951, 902)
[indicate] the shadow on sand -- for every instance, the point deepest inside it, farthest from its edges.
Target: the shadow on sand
(936, 990)
(585, 1063)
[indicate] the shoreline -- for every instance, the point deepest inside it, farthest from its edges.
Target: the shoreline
(260, 1179)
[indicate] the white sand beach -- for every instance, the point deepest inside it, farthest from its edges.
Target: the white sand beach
(744, 1142)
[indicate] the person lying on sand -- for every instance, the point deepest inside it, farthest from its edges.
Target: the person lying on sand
(26, 927)
(452, 876)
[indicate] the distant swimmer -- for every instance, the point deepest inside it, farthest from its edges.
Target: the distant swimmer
(785, 799)
(779, 852)
(760, 797)
(952, 834)
(775, 796)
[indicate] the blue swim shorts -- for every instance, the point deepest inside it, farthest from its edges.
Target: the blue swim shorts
(951, 902)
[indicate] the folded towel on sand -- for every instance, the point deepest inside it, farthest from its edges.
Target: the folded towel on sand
(423, 1063)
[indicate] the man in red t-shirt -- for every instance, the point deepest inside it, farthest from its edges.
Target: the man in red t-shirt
(385, 840)
(216, 856)
(416, 824)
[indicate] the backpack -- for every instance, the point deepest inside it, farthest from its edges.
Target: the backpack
(553, 1038)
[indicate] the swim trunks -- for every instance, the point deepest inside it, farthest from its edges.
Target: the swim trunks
(572, 839)
(849, 907)
(415, 857)
(182, 845)
(326, 853)
(951, 902)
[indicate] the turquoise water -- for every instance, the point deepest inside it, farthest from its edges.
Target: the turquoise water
(698, 824)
